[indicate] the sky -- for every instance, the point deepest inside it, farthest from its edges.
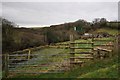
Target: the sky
(39, 14)
(60, 0)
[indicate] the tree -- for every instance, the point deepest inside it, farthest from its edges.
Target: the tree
(99, 22)
(96, 21)
(51, 37)
(103, 22)
(7, 33)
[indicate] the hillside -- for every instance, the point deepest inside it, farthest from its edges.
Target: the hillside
(15, 38)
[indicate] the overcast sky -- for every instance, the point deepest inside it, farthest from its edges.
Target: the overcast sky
(48, 13)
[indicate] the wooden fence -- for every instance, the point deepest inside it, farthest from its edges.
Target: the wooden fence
(15, 58)
(95, 49)
(104, 50)
(11, 57)
(72, 51)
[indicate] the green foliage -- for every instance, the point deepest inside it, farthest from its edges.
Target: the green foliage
(51, 37)
(107, 30)
(19, 38)
(114, 25)
(7, 35)
(108, 72)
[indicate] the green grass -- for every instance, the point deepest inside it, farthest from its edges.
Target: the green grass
(108, 72)
(90, 40)
(108, 30)
(0, 74)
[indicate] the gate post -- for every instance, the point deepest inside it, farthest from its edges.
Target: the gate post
(115, 49)
(72, 50)
(93, 45)
(29, 52)
(98, 54)
(6, 65)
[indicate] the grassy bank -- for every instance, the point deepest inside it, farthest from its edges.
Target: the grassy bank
(108, 30)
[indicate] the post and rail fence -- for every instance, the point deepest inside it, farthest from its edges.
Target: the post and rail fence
(72, 52)
(101, 52)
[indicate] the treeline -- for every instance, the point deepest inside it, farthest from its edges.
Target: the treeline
(14, 38)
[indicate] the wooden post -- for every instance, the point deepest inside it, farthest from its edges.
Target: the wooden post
(29, 52)
(101, 55)
(92, 42)
(93, 45)
(72, 50)
(92, 37)
(115, 49)
(98, 53)
(6, 65)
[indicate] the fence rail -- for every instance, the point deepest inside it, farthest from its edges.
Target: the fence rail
(81, 52)
(103, 40)
(104, 45)
(81, 57)
(81, 43)
(81, 47)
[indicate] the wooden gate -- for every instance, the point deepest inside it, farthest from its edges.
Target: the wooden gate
(28, 62)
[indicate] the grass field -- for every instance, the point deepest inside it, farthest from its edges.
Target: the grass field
(108, 30)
